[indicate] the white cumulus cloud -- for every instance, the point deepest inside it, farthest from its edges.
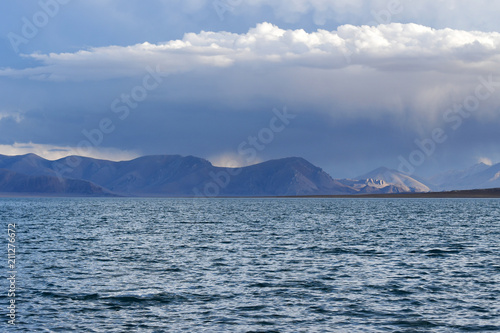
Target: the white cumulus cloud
(391, 47)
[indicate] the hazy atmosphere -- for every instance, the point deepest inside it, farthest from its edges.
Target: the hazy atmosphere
(348, 85)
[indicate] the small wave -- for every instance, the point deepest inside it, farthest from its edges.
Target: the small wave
(340, 250)
(251, 308)
(261, 285)
(435, 252)
(414, 323)
(162, 298)
(479, 328)
(197, 222)
(125, 298)
(75, 297)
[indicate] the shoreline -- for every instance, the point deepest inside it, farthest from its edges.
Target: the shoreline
(459, 194)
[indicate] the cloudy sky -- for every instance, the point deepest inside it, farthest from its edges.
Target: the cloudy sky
(350, 85)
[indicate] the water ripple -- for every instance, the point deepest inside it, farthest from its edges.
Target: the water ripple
(256, 265)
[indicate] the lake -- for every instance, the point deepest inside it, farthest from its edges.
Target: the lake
(252, 265)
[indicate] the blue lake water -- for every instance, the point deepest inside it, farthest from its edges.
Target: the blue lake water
(253, 265)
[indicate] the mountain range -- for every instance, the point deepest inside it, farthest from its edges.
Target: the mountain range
(162, 176)
(189, 176)
(479, 176)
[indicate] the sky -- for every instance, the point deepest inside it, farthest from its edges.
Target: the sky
(350, 85)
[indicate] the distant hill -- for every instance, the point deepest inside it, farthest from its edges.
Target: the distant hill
(16, 183)
(172, 175)
(478, 176)
(368, 186)
(394, 181)
(289, 176)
